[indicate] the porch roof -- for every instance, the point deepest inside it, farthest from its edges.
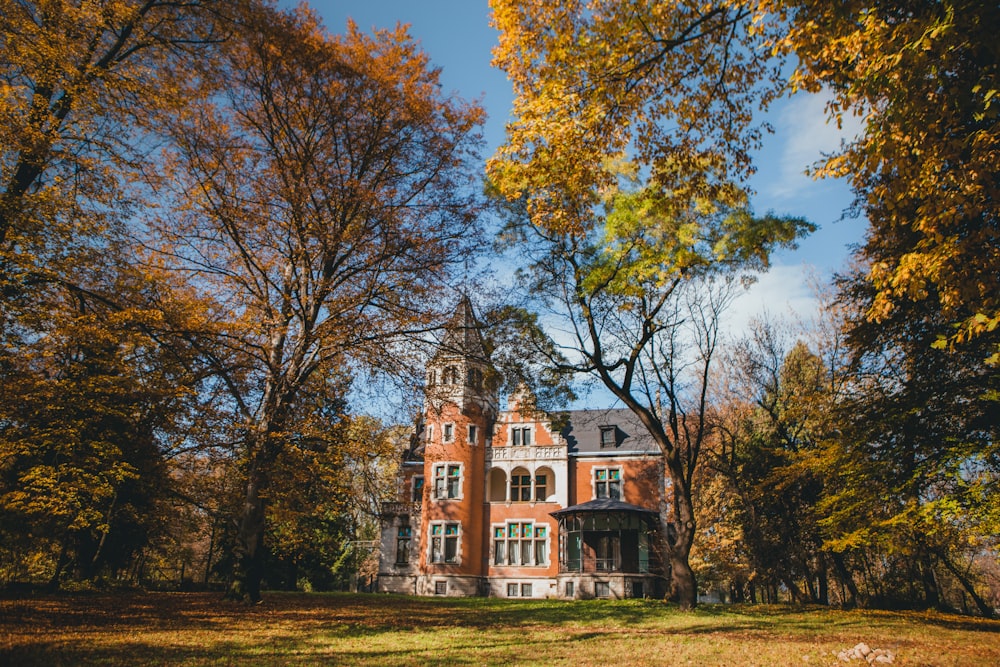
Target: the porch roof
(602, 505)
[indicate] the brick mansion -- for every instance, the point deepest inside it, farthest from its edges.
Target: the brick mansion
(520, 503)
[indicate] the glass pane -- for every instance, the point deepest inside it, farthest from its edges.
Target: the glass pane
(541, 552)
(526, 552)
(450, 549)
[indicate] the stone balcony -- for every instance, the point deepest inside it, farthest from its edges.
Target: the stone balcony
(529, 453)
(400, 509)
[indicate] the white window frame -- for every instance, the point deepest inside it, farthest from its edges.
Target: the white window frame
(448, 432)
(473, 435)
(443, 536)
(445, 467)
(501, 535)
(521, 430)
(621, 481)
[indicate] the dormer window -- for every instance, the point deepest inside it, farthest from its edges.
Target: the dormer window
(609, 436)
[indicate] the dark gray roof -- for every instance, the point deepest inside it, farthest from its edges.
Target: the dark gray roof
(583, 433)
(463, 336)
(602, 505)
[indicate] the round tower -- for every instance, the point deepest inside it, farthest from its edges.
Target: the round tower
(460, 409)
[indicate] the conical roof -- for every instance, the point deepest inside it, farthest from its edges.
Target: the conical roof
(463, 334)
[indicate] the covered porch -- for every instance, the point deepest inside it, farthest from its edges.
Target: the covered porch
(604, 541)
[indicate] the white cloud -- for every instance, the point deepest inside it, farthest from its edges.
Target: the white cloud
(784, 292)
(807, 135)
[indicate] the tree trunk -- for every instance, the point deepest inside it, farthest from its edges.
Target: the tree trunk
(683, 586)
(984, 608)
(679, 538)
(248, 568)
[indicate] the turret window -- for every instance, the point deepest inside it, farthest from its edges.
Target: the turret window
(475, 378)
(447, 481)
(473, 435)
(450, 375)
(448, 433)
(444, 542)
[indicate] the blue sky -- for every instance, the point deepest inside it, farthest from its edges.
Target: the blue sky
(457, 37)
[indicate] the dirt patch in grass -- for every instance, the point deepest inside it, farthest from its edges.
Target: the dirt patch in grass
(303, 629)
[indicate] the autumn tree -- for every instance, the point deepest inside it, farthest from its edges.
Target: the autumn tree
(666, 91)
(919, 452)
(79, 80)
(88, 394)
(923, 76)
(673, 83)
(323, 190)
(769, 454)
(92, 406)
(635, 304)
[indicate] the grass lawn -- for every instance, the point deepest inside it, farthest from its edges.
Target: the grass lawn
(339, 629)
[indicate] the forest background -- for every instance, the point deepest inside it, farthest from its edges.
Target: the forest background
(223, 227)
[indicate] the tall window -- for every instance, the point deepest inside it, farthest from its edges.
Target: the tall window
(444, 542)
(520, 436)
(403, 536)
(473, 435)
(417, 493)
(447, 480)
(520, 543)
(447, 433)
(608, 483)
(520, 488)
